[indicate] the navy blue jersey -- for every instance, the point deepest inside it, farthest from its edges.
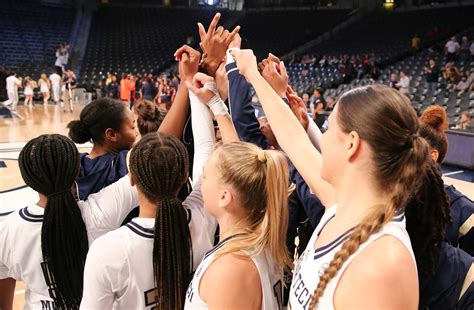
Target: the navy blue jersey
(449, 286)
(97, 173)
(460, 233)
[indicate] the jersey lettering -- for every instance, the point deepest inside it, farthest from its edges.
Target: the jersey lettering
(151, 298)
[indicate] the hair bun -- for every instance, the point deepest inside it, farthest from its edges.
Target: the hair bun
(78, 132)
(435, 117)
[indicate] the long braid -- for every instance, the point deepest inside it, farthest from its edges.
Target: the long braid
(159, 165)
(385, 120)
(49, 164)
(349, 247)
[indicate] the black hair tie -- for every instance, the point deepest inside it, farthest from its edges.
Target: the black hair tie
(409, 142)
(59, 193)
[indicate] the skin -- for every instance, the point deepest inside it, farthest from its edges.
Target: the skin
(243, 286)
(116, 141)
(7, 290)
(335, 175)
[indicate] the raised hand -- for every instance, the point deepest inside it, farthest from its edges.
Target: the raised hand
(221, 81)
(214, 44)
(197, 86)
(236, 42)
(246, 62)
(189, 60)
(274, 72)
(298, 108)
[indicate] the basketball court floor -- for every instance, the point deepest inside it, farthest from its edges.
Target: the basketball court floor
(30, 122)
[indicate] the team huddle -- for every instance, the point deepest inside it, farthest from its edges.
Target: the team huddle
(184, 215)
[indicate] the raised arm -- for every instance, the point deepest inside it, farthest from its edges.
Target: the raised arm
(177, 116)
(209, 95)
(290, 135)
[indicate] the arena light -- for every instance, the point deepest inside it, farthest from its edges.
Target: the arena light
(389, 4)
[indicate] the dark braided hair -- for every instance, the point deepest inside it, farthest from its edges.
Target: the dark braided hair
(427, 216)
(150, 117)
(159, 165)
(49, 164)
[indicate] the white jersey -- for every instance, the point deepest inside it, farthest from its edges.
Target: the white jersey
(20, 237)
(119, 266)
(55, 80)
(12, 83)
(270, 278)
(313, 262)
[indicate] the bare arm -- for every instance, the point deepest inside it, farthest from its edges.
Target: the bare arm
(7, 290)
(177, 116)
(288, 131)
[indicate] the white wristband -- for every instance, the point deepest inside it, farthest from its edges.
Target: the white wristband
(217, 106)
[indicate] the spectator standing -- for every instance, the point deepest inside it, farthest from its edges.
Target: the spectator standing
(3, 84)
(464, 53)
(127, 86)
(149, 90)
(415, 43)
(112, 88)
(432, 75)
(452, 49)
(404, 83)
(70, 84)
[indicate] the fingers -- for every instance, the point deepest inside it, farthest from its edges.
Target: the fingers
(232, 35)
(202, 32)
(236, 39)
(201, 78)
(282, 69)
(219, 31)
(273, 58)
(212, 26)
(185, 49)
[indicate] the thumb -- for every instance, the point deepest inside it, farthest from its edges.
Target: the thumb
(282, 69)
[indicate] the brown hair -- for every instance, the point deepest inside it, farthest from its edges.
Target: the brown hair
(433, 123)
(150, 117)
(384, 119)
(159, 165)
(260, 178)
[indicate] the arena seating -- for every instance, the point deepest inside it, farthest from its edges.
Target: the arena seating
(30, 34)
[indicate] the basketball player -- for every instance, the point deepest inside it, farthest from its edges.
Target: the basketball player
(373, 159)
(169, 249)
(45, 244)
(246, 189)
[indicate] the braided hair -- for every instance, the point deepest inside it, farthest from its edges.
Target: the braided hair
(159, 165)
(49, 164)
(385, 119)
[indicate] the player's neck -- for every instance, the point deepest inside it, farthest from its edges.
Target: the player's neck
(99, 150)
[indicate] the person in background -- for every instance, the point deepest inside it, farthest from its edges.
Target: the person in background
(55, 79)
(432, 74)
(3, 84)
(28, 86)
(404, 83)
(44, 86)
(394, 81)
(148, 89)
(127, 86)
(464, 53)
(465, 120)
(70, 83)
(415, 43)
(112, 89)
(452, 49)
(12, 90)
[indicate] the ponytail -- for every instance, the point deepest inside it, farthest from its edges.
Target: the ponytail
(159, 165)
(172, 256)
(261, 181)
(386, 121)
(49, 164)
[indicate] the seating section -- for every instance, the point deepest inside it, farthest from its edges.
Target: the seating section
(115, 46)
(30, 34)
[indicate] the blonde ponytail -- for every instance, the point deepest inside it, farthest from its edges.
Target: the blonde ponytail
(260, 179)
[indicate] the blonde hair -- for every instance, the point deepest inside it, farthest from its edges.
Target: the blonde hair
(44, 77)
(260, 179)
(386, 120)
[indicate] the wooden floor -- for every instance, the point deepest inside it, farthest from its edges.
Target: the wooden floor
(38, 120)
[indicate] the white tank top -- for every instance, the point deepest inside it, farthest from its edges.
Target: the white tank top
(270, 278)
(313, 262)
